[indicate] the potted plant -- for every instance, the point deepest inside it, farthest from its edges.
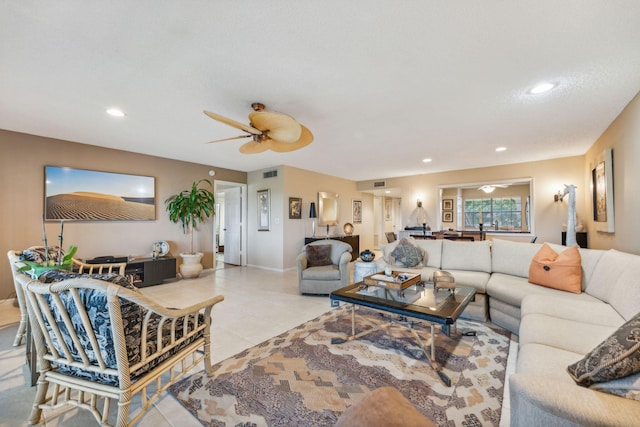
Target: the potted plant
(189, 208)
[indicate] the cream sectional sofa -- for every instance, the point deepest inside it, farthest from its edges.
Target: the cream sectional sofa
(469, 262)
(555, 328)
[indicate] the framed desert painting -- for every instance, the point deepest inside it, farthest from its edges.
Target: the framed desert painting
(89, 195)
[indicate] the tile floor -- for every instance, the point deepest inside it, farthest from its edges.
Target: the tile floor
(258, 305)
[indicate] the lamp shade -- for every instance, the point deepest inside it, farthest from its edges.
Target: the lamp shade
(312, 210)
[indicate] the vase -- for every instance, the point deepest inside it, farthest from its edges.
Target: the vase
(367, 255)
(191, 267)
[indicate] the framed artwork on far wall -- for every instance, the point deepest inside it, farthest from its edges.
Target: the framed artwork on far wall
(602, 183)
(447, 216)
(264, 210)
(447, 204)
(356, 206)
(388, 206)
(295, 208)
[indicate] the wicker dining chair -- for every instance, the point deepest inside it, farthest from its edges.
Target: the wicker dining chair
(15, 258)
(99, 339)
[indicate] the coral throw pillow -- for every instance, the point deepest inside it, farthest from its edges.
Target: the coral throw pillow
(318, 255)
(559, 271)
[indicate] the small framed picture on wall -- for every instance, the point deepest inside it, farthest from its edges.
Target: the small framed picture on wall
(295, 208)
(356, 206)
(447, 204)
(447, 216)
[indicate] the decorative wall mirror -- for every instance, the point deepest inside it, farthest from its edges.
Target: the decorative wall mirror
(328, 207)
(501, 206)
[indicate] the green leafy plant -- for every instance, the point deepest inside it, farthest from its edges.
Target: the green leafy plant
(36, 269)
(191, 207)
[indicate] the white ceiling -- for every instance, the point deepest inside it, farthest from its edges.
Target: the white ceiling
(381, 84)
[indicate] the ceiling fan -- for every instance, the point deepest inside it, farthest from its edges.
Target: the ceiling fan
(488, 188)
(268, 131)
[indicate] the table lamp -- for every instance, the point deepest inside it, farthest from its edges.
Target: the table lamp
(313, 216)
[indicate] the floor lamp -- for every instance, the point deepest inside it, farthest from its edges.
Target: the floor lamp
(313, 216)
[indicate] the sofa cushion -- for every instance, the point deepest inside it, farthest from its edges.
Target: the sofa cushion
(616, 357)
(606, 273)
(615, 280)
(318, 255)
(513, 258)
(585, 309)
(566, 334)
(473, 256)
(432, 252)
(557, 270)
(406, 253)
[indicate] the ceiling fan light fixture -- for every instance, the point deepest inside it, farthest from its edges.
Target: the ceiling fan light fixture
(487, 188)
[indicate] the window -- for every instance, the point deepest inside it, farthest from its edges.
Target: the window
(507, 211)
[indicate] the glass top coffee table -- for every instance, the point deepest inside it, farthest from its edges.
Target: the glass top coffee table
(418, 301)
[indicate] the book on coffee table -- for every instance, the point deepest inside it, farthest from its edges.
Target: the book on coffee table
(398, 280)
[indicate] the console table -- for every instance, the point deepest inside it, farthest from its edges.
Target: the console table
(581, 239)
(354, 241)
(149, 271)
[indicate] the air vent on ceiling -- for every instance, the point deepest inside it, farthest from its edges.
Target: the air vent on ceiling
(270, 174)
(379, 184)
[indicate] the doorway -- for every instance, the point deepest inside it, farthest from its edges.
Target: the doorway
(229, 224)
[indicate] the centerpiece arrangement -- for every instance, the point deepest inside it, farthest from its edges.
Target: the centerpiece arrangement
(189, 208)
(60, 262)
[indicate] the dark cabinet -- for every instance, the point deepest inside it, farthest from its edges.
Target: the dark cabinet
(149, 271)
(581, 238)
(354, 241)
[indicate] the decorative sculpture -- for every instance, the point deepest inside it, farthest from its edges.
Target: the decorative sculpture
(571, 215)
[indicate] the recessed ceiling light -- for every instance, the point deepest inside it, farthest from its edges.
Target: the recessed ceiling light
(115, 112)
(427, 160)
(387, 191)
(501, 149)
(541, 88)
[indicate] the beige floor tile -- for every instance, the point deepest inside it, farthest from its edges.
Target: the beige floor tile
(258, 305)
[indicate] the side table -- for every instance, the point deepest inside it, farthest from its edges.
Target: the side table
(361, 269)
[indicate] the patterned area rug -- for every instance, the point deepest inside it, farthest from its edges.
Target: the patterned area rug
(300, 379)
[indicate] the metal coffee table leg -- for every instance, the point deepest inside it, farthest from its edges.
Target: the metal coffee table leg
(431, 355)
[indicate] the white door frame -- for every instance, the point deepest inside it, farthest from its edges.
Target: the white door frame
(219, 185)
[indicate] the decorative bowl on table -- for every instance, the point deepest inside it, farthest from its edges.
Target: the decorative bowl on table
(367, 255)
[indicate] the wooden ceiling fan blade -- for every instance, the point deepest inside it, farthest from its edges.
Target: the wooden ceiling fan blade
(233, 123)
(282, 147)
(278, 126)
(253, 147)
(229, 139)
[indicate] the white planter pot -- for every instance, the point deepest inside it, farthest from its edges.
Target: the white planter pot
(191, 267)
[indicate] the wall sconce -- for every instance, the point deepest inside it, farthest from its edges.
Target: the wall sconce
(558, 196)
(419, 203)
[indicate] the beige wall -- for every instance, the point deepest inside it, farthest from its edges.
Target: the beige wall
(22, 182)
(623, 137)
(548, 176)
(278, 248)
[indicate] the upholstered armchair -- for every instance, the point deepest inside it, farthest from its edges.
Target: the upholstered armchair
(323, 266)
(99, 339)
